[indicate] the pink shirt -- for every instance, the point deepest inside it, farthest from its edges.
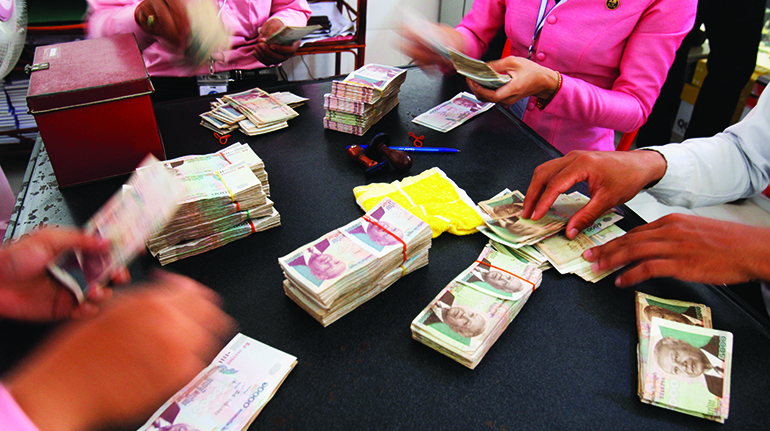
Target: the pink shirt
(12, 417)
(242, 17)
(613, 62)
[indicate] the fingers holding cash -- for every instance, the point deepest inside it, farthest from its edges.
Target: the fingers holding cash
(613, 179)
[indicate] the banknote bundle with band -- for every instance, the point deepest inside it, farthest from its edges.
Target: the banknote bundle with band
(225, 200)
(229, 393)
(684, 364)
(336, 273)
(253, 112)
(473, 310)
(543, 242)
(362, 98)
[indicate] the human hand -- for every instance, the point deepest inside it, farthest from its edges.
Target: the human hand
(28, 292)
(165, 19)
(273, 53)
(614, 177)
(689, 248)
(527, 79)
(417, 46)
(115, 370)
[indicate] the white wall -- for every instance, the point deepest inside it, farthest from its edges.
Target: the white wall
(382, 34)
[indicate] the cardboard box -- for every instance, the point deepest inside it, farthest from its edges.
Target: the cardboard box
(91, 102)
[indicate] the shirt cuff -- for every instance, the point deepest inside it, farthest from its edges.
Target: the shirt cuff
(12, 417)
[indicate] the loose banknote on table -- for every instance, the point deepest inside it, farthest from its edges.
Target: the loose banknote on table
(684, 364)
(536, 240)
(229, 393)
(336, 273)
(473, 310)
(139, 210)
(453, 113)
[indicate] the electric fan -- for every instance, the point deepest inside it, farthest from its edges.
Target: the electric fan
(13, 33)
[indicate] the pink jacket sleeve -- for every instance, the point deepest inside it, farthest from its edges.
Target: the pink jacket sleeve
(12, 417)
(111, 17)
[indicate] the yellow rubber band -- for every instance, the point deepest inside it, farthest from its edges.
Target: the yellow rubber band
(232, 197)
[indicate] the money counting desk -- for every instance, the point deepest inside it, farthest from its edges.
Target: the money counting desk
(567, 361)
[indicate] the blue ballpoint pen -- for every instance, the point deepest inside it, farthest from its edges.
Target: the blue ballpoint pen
(423, 149)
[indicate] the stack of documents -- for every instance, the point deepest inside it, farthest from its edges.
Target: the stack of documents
(470, 313)
(254, 112)
(333, 275)
(362, 98)
(534, 240)
(229, 393)
(225, 199)
(684, 364)
(452, 113)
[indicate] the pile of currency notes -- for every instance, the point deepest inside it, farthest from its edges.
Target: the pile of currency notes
(362, 98)
(544, 240)
(333, 275)
(254, 112)
(225, 200)
(229, 393)
(452, 113)
(684, 364)
(473, 310)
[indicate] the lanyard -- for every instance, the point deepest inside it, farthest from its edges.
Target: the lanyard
(541, 16)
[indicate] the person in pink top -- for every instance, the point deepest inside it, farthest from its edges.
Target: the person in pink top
(162, 30)
(102, 369)
(583, 68)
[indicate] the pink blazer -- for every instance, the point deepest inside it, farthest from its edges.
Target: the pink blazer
(242, 17)
(613, 61)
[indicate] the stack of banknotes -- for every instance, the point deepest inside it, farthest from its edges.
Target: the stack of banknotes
(362, 98)
(684, 364)
(336, 273)
(225, 200)
(254, 111)
(534, 240)
(208, 33)
(452, 113)
(229, 393)
(470, 313)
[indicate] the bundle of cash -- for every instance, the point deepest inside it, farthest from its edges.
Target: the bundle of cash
(333, 275)
(470, 314)
(362, 98)
(226, 199)
(260, 107)
(452, 113)
(208, 33)
(229, 393)
(136, 212)
(369, 83)
(684, 364)
(477, 70)
(226, 116)
(544, 238)
(287, 35)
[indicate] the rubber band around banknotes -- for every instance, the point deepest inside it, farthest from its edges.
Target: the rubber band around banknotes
(232, 197)
(417, 139)
(508, 272)
(372, 221)
(253, 228)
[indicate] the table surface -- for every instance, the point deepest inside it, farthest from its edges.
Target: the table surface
(568, 360)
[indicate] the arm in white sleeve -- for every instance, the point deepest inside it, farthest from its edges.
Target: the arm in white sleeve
(731, 165)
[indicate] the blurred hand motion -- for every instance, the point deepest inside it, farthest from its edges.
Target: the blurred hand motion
(116, 369)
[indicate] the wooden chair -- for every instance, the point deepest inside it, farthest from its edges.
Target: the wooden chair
(356, 45)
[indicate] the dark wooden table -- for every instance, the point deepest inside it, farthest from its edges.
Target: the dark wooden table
(568, 360)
